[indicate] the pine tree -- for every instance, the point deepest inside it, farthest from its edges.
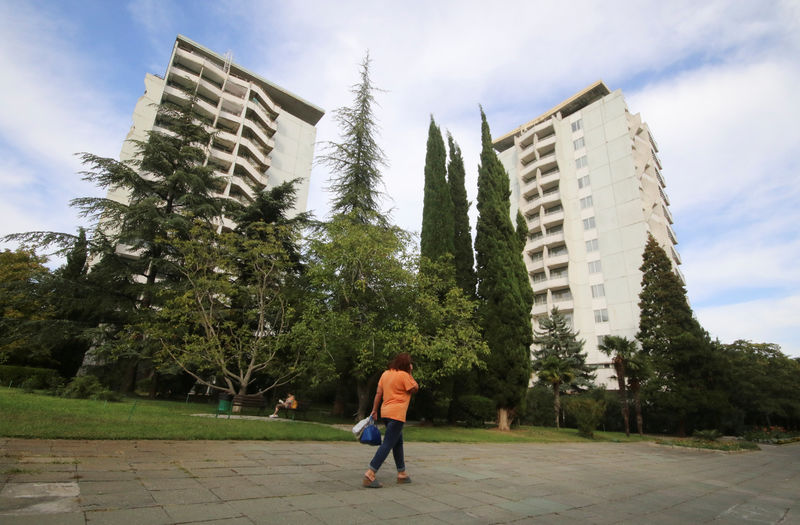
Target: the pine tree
(436, 238)
(464, 258)
(356, 161)
(559, 360)
(503, 290)
(685, 383)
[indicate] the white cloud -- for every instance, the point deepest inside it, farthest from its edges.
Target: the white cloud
(762, 321)
(54, 108)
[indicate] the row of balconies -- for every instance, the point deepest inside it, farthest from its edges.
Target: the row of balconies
(545, 259)
(543, 164)
(539, 147)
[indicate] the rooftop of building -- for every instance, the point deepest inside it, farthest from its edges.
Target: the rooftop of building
(287, 100)
(576, 102)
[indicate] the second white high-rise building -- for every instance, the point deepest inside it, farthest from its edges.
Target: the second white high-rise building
(587, 177)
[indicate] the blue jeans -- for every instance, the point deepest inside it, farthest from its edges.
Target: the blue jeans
(393, 440)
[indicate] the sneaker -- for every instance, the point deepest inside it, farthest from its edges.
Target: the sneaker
(272, 416)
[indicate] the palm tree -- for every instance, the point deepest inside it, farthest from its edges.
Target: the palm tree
(638, 370)
(620, 349)
(556, 371)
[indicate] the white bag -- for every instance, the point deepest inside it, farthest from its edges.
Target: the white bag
(360, 426)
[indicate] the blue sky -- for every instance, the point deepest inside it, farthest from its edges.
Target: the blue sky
(715, 80)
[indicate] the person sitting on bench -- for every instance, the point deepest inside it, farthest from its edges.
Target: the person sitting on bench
(290, 404)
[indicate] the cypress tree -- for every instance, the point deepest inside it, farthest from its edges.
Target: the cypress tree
(436, 238)
(464, 258)
(503, 289)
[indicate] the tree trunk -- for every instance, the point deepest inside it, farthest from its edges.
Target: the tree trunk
(619, 366)
(131, 367)
(557, 403)
(503, 419)
(638, 405)
(365, 400)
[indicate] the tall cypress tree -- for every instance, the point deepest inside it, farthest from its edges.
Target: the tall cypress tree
(436, 238)
(464, 258)
(503, 288)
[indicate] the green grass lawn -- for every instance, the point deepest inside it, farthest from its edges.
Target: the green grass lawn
(30, 415)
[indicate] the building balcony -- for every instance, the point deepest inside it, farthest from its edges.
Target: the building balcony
(527, 155)
(539, 286)
(220, 158)
(265, 141)
(189, 59)
(561, 281)
(551, 197)
(550, 177)
(529, 207)
(556, 217)
(210, 87)
(546, 163)
(553, 239)
(564, 305)
(226, 136)
(187, 79)
(271, 106)
(539, 309)
(229, 120)
(234, 89)
(545, 128)
(557, 260)
(546, 142)
(258, 179)
(534, 266)
(257, 151)
(259, 110)
(239, 186)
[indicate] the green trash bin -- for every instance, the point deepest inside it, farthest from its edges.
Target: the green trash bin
(224, 406)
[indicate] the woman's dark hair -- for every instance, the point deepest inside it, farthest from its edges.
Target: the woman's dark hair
(401, 362)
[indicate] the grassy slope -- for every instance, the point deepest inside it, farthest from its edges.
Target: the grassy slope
(47, 417)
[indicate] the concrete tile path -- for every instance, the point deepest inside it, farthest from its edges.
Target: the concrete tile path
(63, 482)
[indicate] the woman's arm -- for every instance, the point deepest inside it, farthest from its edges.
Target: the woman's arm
(376, 403)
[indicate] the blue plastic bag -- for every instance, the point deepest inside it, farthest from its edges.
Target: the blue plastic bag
(371, 434)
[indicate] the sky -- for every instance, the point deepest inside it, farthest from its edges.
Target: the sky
(716, 82)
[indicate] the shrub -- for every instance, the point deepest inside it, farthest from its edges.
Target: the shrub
(32, 377)
(475, 410)
(588, 413)
(707, 435)
(539, 407)
(89, 387)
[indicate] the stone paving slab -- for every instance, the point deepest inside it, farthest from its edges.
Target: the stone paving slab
(76, 482)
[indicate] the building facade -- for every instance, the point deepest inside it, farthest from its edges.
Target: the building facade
(587, 177)
(263, 134)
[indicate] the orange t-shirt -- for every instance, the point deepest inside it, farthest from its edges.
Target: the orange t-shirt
(396, 396)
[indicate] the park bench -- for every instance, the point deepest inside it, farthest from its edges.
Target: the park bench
(243, 401)
(300, 409)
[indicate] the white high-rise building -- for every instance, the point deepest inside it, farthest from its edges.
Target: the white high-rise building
(587, 177)
(263, 134)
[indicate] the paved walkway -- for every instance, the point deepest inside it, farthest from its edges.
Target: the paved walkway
(63, 482)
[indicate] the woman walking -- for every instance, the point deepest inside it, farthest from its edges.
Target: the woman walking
(395, 388)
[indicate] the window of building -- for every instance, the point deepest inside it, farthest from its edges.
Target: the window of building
(583, 181)
(601, 316)
(579, 143)
(586, 202)
(539, 277)
(593, 245)
(581, 162)
(558, 250)
(536, 256)
(600, 339)
(578, 124)
(595, 267)
(589, 223)
(558, 274)
(598, 290)
(555, 209)
(535, 235)
(558, 228)
(540, 298)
